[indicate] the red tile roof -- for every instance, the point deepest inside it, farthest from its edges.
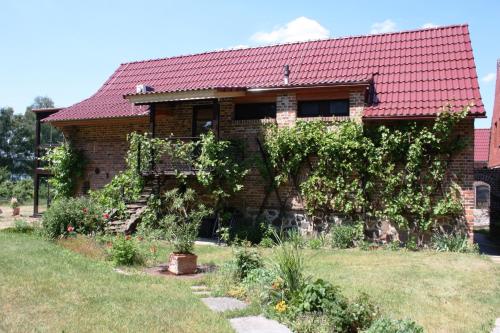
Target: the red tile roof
(414, 72)
(481, 144)
(494, 158)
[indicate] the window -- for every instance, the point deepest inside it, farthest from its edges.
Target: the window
(203, 118)
(482, 196)
(328, 108)
(249, 111)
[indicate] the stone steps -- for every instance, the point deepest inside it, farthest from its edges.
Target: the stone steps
(134, 211)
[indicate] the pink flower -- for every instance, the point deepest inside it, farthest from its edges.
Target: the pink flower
(105, 216)
(70, 228)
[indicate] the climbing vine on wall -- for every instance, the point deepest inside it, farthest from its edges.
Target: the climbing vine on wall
(395, 173)
(66, 165)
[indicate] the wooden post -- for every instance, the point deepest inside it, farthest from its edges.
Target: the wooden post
(37, 165)
(152, 130)
(138, 157)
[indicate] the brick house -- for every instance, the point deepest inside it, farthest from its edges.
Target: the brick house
(487, 169)
(375, 79)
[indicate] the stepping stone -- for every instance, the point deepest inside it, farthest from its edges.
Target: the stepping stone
(221, 304)
(202, 293)
(198, 288)
(257, 324)
(496, 329)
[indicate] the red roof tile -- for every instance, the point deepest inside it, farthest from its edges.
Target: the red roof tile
(481, 144)
(414, 72)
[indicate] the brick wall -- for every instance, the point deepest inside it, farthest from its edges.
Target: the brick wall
(104, 144)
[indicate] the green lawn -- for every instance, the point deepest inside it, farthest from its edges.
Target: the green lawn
(49, 288)
(46, 288)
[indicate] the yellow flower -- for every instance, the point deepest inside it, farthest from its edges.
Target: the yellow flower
(281, 306)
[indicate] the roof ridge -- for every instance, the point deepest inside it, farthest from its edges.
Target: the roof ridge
(296, 43)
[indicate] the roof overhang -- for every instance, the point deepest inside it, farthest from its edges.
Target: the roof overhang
(158, 97)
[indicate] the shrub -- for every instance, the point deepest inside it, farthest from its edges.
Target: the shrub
(316, 243)
(23, 227)
(267, 242)
(361, 313)
(183, 218)
(346, 236)
(258, 282)
(81, 214)
(453, 242)
(246, 260)
(386, 325)
(318, 296)
(124, 251)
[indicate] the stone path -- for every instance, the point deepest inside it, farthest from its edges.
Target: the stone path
(221, 304)
(496, 329)
(249, 324)
(258, 324)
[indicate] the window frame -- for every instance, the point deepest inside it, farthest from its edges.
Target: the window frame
(249, 106)
(323, 105)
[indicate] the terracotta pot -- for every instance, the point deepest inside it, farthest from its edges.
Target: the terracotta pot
(16, 211)
(182, 263)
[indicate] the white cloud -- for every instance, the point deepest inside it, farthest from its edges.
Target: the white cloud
(234, 47)
(300, 29)
(429, 25)
(382, 27)
(490, 77)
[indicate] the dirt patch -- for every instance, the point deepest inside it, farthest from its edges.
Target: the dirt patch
(7, 220)
(85, 246)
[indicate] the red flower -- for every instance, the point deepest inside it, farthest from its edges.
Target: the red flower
(70, 228)
(105, 216)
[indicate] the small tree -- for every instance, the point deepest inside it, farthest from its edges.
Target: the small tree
(183, 219)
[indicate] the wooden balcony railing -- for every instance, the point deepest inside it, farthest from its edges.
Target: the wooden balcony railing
(149, 163)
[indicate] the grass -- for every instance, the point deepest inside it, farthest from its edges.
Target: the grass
(444, 292)
(48, 288)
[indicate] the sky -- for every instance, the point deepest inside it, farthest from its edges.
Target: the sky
(67, 49)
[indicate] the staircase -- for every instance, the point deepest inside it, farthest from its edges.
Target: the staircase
(134, 211)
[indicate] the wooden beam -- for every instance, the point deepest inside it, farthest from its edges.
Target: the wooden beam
(182, 96)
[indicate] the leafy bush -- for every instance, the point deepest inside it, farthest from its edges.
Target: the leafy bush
(246, 260)
(386, 325)
(346, 236)
(452, 242)
(316, 243)
(258, 282)
(361, 313)
(80, 214)
(23, 227)
(124, 251)
(318, 296)
(183, 218)
(267, 242)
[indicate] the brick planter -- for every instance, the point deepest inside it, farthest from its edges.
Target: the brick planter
(182, 263)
